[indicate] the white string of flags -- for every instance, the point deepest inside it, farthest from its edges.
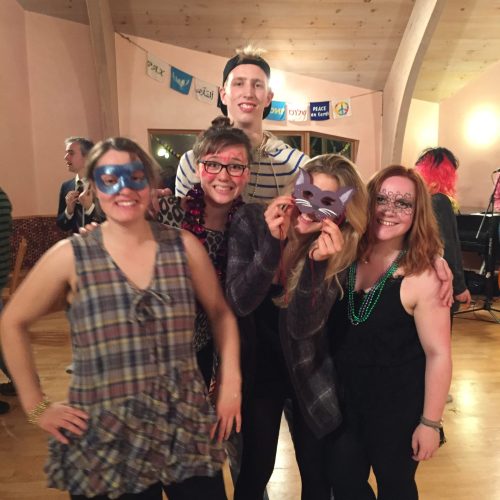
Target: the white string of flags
(206, 92)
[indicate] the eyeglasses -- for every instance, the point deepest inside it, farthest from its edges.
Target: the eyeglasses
(214, 167)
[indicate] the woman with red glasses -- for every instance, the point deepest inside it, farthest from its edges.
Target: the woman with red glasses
(222, 154)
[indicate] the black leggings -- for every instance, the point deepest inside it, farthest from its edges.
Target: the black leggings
(154, 492)
(194, 488)
(382, 442)
(261, 425)
(205, 359)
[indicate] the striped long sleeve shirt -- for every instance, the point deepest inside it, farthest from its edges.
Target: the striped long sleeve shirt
(275, 166)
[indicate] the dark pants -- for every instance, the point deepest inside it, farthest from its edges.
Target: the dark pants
(205, 359)
(261, 424)
(381, 441)
(194, 488)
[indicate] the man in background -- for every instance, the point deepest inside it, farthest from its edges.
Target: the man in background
(245, 97)
(77, 206)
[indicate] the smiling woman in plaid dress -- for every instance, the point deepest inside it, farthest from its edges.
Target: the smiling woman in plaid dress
(137, 419)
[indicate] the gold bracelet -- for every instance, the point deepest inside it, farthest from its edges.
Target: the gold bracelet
(37, 411)
(435, 424)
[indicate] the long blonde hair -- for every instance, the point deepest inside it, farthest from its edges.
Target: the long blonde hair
(345, 173)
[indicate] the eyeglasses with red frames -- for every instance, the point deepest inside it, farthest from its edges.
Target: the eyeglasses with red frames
(214, 167)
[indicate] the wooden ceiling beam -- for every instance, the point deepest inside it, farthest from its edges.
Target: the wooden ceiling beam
(398, 90)
(467, 31)
(103, 47)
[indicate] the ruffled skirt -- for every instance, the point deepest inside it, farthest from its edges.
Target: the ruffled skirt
(159, 435)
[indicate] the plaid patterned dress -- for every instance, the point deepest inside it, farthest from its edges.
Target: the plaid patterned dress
(136, 375)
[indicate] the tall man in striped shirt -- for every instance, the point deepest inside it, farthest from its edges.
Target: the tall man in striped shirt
(245, 96)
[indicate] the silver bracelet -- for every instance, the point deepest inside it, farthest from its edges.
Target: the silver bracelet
(435, 424)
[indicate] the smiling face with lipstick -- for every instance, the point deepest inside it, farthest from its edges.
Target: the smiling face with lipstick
(224, 174)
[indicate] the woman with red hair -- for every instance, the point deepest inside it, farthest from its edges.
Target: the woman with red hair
(390, 341)
(438, 167)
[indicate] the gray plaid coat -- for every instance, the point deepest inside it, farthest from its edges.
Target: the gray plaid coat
(253, 259)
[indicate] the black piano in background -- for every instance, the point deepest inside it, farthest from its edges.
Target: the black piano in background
(487, 244)
(468, 225)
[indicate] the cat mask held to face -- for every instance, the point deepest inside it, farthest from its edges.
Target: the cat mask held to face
(319, 204)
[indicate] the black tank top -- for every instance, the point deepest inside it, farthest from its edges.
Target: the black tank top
(388, 337)
(380, 363)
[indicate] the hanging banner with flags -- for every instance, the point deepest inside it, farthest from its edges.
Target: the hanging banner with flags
(278, 111)
(341, 108)
(156, 68)
(297, 112)
(319, 111)
(205, 92)
(180, 81)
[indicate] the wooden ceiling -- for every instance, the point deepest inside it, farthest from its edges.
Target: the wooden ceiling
(349, 41)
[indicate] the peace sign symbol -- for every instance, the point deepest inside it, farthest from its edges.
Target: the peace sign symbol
(342, 108)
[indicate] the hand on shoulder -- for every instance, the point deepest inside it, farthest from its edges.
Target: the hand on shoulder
(418, 289)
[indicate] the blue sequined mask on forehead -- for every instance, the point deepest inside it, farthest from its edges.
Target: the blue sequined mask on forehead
(319, 204)
(119, 177)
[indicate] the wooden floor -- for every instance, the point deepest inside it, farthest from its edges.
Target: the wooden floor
(466, 468)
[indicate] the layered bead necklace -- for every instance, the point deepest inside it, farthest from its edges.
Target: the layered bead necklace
(194, 222)
(371, 298)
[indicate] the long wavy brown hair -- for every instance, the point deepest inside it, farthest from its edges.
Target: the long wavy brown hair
(422, 241)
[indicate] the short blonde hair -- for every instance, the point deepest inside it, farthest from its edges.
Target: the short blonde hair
(250, 51)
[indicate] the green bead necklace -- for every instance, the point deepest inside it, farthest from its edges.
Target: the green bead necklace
(372, 297)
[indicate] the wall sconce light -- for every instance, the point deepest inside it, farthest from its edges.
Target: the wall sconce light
(482, 127)
(277, 81)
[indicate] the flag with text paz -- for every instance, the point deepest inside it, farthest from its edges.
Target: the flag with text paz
(156, 68)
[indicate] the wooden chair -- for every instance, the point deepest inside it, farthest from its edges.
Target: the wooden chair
(18, 264)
